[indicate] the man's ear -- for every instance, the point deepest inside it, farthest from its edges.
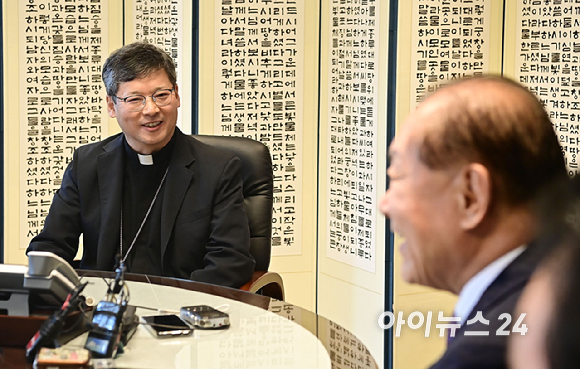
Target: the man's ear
(176, 92)
(111, 107)
(475, 194)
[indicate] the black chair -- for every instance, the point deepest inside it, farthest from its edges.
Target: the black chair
(257, 177)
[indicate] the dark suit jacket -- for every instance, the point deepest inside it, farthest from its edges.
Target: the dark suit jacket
(473, 352)
(204, 231)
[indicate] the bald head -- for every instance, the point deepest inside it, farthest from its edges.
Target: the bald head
(498, 123)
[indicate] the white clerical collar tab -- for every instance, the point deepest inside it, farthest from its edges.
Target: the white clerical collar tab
(145, 159)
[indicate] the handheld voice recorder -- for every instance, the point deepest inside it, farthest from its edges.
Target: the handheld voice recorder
(205, 317)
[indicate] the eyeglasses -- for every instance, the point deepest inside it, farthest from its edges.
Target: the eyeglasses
(137, 102)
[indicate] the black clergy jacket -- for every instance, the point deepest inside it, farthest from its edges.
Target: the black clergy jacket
(204, 231)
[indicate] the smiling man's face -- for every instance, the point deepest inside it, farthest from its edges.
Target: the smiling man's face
(150, 129)
(421, 204)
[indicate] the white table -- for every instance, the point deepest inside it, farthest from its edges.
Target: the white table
(256, 338)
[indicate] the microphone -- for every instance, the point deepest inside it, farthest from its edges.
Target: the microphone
(119, 278)
(104, 338)
(53, 325)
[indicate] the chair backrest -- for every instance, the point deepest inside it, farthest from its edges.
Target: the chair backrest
(258, 180)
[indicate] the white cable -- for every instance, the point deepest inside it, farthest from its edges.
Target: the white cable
(161, 311)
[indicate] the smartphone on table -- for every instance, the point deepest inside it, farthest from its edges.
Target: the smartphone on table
(169, 325)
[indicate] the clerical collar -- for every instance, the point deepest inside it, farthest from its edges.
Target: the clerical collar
(157, 158)
(145, 159)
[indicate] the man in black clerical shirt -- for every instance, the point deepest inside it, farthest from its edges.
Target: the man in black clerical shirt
(166, 203)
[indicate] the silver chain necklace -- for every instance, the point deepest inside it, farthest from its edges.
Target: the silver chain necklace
(142, 223)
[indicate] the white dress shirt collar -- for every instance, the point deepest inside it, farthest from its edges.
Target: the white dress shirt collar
(476, 286)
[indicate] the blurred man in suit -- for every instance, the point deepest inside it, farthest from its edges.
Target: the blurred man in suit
(164, 202)
(550, 300)
(464, 170)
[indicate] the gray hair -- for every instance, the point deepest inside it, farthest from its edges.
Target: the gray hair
(136, 60)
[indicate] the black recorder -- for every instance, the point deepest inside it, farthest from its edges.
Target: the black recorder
(205, 317)
(103, 339)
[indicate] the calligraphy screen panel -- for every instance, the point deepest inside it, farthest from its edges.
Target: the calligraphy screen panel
(2, 134)
(167, 24)
(546, 59)
(352, 261)
(62, 47)
(352, 137)
(449, 40)
(258, 82)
